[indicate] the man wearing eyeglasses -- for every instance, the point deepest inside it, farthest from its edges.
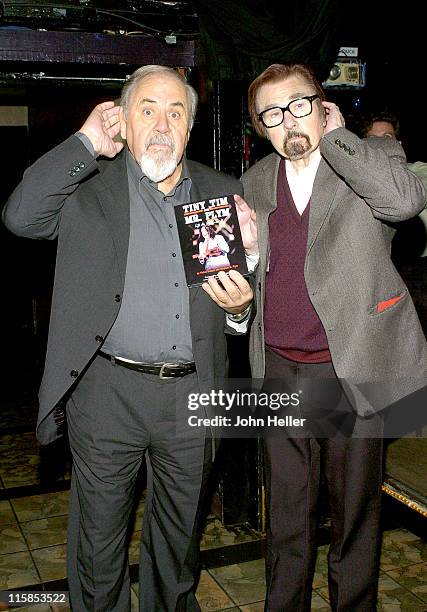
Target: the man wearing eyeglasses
(334, 324)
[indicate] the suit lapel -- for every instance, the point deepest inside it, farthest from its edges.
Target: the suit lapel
(196, 194)
(264, 186)
(201, 187)
(324, 189)
(265, 196)
(114, 201)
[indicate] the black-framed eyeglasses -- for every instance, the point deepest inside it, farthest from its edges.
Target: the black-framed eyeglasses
(301, 107)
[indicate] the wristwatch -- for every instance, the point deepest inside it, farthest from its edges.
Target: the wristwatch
(242, 316)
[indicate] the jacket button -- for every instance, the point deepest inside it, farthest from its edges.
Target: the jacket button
(352, 152)
(117, 298)
(99, 338)
(81, 165)
(72, 173)
(338, 142)
(74, 373)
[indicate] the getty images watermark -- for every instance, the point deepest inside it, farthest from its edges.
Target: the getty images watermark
(243, 410)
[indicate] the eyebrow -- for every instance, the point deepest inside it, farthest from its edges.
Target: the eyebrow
(300, 94)
(294, 96)
(180, 104)
(150, 101)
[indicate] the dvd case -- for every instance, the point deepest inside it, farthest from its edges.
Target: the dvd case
(210, 238)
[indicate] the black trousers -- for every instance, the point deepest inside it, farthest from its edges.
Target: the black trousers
(115, 417)
(352, 470)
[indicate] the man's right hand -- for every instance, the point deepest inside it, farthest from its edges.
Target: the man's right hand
(102, 125)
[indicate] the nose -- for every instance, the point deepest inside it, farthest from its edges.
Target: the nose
(289, 120)
(162, 124)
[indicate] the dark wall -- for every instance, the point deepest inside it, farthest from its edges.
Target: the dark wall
(390, 42)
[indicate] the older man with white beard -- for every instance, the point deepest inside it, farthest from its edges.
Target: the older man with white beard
(128, 340)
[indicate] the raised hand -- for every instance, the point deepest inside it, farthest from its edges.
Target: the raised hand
(248, 228)
(102, 125)
(333, 116)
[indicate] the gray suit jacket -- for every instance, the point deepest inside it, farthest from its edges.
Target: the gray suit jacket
(69, 195)
(362, 186)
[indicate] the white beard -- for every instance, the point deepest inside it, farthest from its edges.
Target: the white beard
(157, 169)
(159, 165)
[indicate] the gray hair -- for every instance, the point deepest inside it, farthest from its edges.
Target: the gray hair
(154, 69)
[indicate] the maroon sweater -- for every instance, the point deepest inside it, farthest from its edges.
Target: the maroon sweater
(292, 326)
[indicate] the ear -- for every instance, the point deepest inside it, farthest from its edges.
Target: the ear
(325, 118)
(123, 123)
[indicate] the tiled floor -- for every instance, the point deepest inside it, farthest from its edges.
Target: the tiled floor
(33, 541)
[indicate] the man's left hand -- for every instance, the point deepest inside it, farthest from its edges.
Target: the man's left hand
(248, 228)
(232, 293)
(333, 116)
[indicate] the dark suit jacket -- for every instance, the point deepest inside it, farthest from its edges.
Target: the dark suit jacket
(361, 187)
(84, 202)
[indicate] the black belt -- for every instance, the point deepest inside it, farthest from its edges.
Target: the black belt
(162, 370)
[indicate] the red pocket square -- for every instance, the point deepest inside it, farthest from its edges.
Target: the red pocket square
(387, 303)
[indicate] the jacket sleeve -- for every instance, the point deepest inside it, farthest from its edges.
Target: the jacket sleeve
(376, 169)
(34, 208)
